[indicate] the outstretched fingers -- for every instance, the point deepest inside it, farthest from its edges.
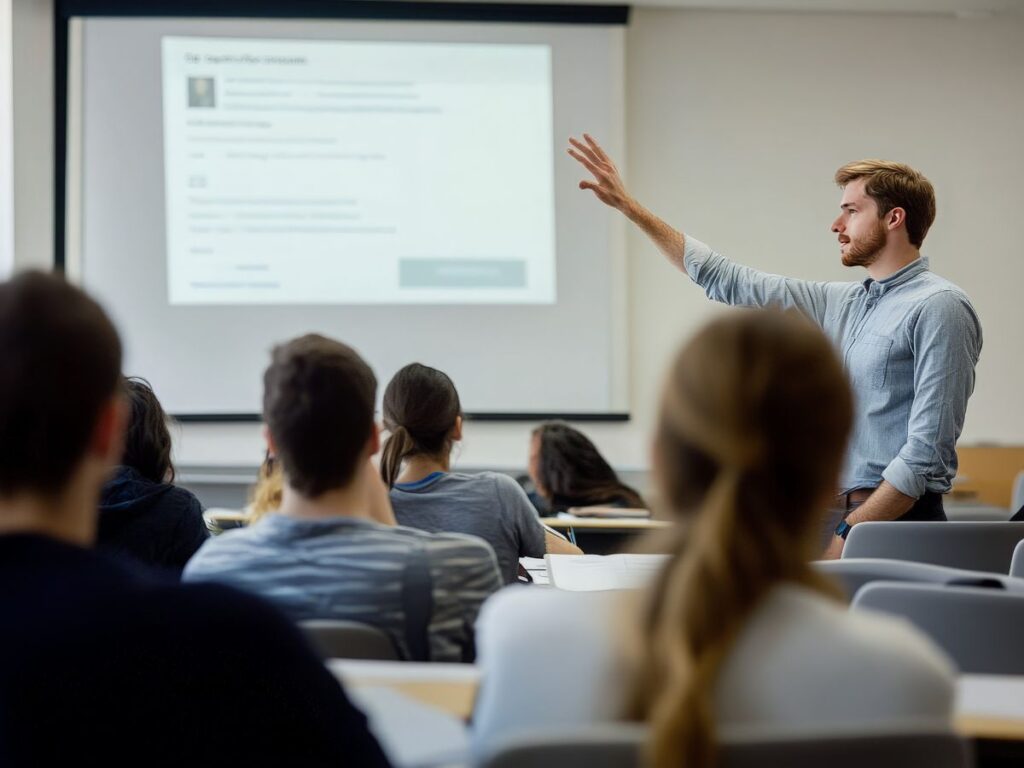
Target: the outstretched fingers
(584, 150)
(596, 148)
(586, 163)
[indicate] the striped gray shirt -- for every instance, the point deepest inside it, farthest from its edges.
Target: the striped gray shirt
(353, 569)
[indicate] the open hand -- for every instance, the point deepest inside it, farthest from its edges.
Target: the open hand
(607, 183)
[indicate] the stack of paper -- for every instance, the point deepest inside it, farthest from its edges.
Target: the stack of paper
(592, 573)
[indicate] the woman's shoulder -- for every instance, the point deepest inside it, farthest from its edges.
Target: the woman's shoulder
(801, 648)
(864, 633)
(485, 477)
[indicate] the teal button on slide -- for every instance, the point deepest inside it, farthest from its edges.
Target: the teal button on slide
(461, 273)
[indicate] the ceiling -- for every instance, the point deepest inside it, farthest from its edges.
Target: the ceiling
(962, 8)
(965, 8)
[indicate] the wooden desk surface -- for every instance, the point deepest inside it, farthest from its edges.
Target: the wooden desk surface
(990, 707)
(450, 688)
(987, 706)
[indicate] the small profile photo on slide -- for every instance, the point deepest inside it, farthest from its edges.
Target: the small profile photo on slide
(201, 92)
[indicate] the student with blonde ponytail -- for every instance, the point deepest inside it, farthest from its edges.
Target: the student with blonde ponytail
(737, 629)
(423, 417)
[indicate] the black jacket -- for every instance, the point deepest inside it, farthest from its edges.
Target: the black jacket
(156, 523)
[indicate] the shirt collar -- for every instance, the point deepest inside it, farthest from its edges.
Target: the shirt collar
(912, 270)
(421, 483)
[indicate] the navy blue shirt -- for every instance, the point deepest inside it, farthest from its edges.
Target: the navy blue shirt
(102, 665)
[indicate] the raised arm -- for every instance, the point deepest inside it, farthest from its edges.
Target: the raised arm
(610, 190)
(722, 280)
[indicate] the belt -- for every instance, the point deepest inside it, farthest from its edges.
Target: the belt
(858, 496)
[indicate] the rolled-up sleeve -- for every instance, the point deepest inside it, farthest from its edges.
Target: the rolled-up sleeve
(730, 283)
(947, 344)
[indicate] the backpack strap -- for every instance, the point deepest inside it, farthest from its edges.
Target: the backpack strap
(417, 604)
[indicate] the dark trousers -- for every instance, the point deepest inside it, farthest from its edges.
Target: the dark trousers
(928, 507)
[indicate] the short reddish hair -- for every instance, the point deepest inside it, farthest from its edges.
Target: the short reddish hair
(895, 185)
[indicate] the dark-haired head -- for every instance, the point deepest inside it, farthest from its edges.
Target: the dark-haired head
(147, 445)
(58, 384)
(318, 400)
(569, 471)
(422, 415)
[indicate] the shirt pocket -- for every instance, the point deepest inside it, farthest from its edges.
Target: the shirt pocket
(875, 354)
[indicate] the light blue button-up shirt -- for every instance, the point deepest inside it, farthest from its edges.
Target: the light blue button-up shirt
(909, 342)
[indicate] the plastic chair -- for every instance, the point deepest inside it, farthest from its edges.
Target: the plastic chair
(1017, 499)
(349, 640)
(977, 513)
(982, 630)
(1017, 561)
(619, 745)
(974, 546)
(854, 573)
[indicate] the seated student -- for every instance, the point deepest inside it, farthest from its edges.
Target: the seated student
(568, 471)
(423, 415)
(737, 630)
(141, 513)
(266, 494)
(100, 664)
(324, 555)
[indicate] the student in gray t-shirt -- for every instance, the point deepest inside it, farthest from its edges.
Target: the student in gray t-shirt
(489, 505)
(423, 414)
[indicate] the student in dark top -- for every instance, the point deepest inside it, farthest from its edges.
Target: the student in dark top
(142, 514)
(102, 664)
(567, 471)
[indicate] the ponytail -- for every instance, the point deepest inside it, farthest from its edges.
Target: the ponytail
(699, 603)
(746, 451)
(398, 445)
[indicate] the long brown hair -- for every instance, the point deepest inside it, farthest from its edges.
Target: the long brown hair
(571, 472)
(421, 407)
(754, 421)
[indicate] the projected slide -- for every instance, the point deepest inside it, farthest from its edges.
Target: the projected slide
(323, 172)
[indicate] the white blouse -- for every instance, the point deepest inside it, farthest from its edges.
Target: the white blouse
(803, 664)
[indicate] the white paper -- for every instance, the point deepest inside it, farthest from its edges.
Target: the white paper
(592, 573)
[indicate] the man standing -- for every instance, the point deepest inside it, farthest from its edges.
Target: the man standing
(910, 339)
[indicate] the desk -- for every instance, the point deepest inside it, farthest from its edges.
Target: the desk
(219, 520)
(447, 687)
(991, 707)
(987, 706)
(604, 535)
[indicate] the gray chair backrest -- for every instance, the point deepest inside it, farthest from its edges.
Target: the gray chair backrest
(1017, 561)
(614, 745)
(1017, 499)
(976, 512)
(982, 630)
(349, 640)
(986, 546)
(854, 572)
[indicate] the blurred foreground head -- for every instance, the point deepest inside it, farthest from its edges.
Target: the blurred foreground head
(60, 409)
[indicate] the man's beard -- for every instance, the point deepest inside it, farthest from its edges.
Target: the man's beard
(862, 253)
